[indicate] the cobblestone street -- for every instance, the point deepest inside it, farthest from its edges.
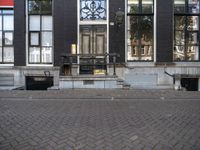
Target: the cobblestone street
(55, 121)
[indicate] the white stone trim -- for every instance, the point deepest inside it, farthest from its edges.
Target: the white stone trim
(6, 6)
(199, 84)
(126, 35)
(40, 65)
(187, 64)
(154, 30)
(6, 65)
(79, 23)
(26, 32)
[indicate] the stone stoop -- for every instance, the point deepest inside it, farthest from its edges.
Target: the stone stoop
(88, 81)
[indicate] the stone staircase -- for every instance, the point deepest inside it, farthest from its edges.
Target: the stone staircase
(92, 81)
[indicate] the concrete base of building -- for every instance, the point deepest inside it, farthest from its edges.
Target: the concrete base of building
(17, 76)
(134, 77)
(88, 81)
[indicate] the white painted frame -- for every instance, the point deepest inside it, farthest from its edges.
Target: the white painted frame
(9, 65)
(26, 33)
(154, 36)
(98, 22)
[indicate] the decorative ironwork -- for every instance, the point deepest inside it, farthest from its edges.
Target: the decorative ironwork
(93, 10)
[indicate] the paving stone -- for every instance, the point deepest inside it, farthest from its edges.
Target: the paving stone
(79, 123)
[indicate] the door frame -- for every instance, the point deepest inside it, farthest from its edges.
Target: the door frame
(103, 22)
(93, 35)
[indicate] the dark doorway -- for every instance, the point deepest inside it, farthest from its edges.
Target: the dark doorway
(190, 84)
(38, 82)
(93, 44)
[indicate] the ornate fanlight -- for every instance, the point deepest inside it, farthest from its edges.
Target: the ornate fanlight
(92, 9)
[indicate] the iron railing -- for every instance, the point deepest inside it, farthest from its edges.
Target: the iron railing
(89, 62)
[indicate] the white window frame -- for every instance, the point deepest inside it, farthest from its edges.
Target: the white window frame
(154, 38)
(27, 40)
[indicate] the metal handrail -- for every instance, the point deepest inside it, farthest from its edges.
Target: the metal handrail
(68, 59)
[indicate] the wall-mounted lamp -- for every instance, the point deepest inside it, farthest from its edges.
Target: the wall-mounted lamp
(119, 17)
(73, 49)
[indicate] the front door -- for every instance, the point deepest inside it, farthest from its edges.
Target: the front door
(93, 43)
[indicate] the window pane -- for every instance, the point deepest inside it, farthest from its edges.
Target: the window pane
(47, 55)
(34, 6)
(193, 23)
(46, 22)
(133, 38)
(8, 12)
(34, 55)
(140, 38)
(179, 54)
(147, 6)
(193, 53)
(193, 38)
(34, 39)
(193, 6)
(8, 39)
(179, 22)
(146, 25)
(46, 6)
(179, 38)
(133, 6)
(1, 38)
(8, 22)
(134, 27)
(92, 9)
(34, 23)
(8, 54)
(46, 38)
(1, 54)
(179, 6)
(0, 22)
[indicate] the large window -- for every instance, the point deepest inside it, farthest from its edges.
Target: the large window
(140, 30)
(40, 26)
(186, 30)
(6, 36)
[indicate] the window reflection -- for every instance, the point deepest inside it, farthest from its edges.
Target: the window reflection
(133, 6)
(179, 6)
(8, 54)
(147, 6)
(6, 36)
(186, 31)
(193, 23)
(40, 31)
(40, 7)
(140, 41)
(193, 6)
(140, 30)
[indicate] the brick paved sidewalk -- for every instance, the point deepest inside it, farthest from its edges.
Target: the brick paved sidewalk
(157, 123)
(100, 94)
